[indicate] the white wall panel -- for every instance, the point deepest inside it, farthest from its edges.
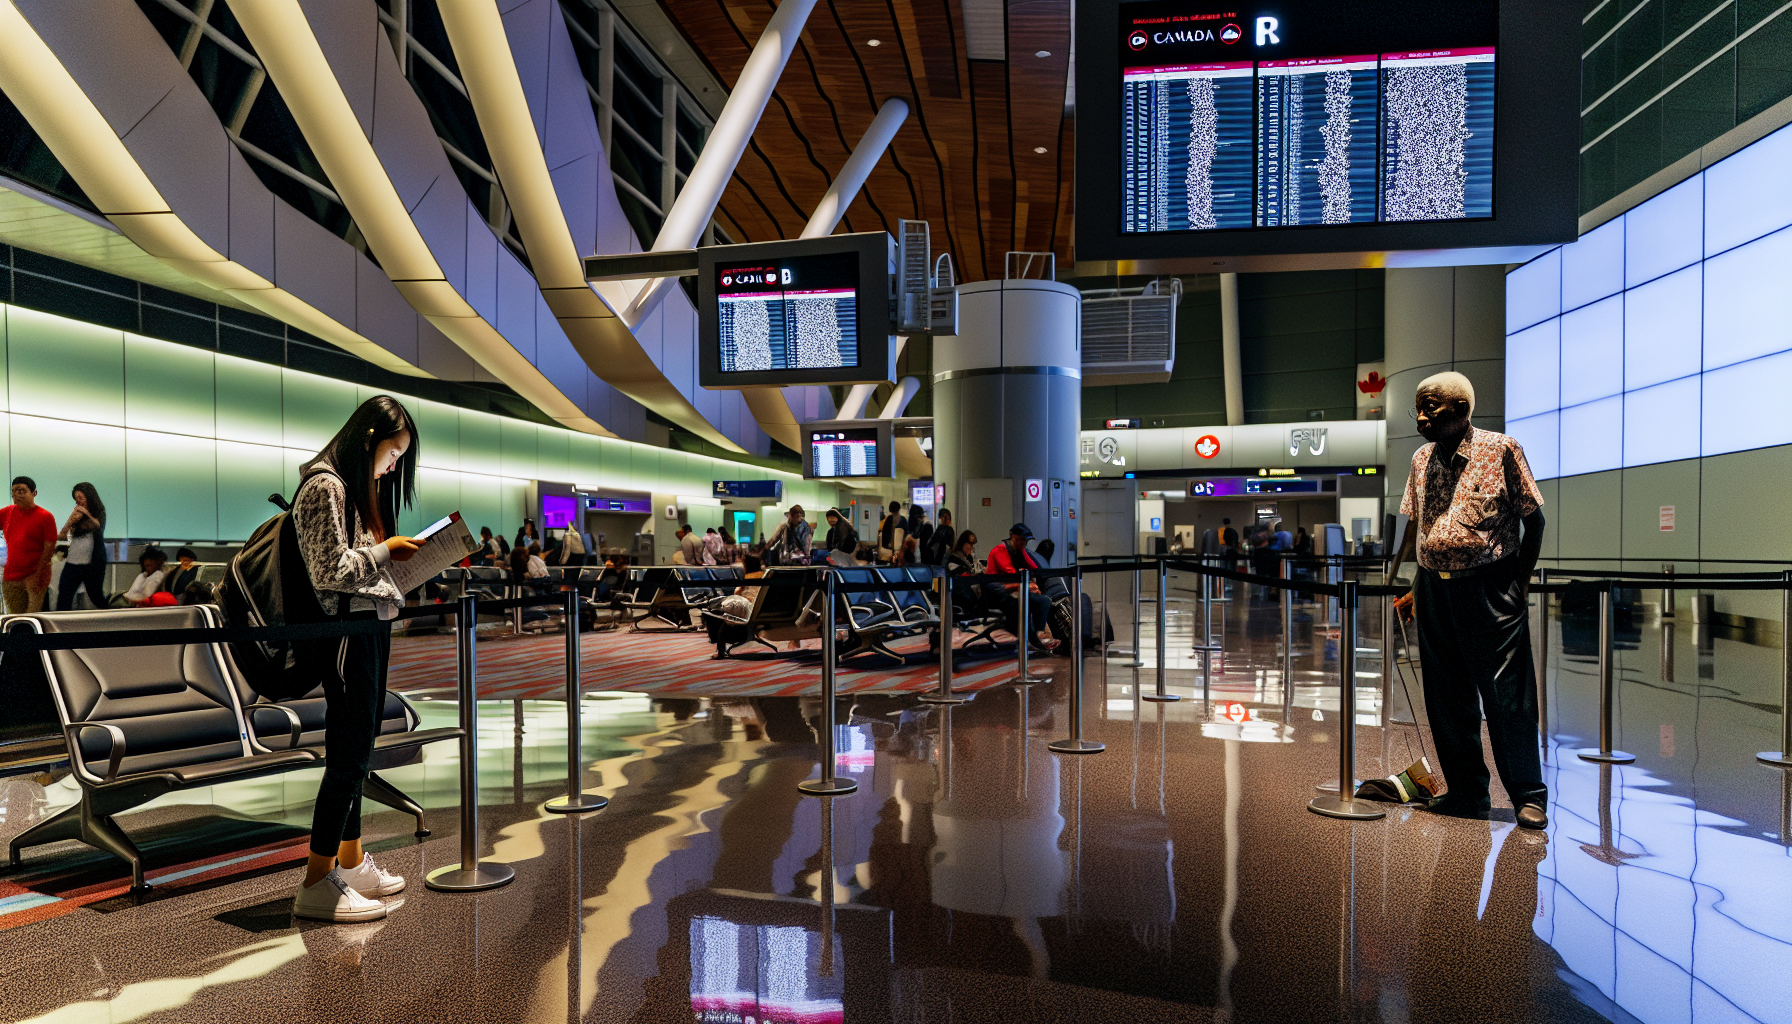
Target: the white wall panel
(1749, 194)
(1665, 233)
(1748, 301)
(1593, 351)
(1534, 291)
(1593, 267)
(1661, 424)
(1662, 329)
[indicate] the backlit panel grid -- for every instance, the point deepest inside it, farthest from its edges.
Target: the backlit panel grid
(1652, 338)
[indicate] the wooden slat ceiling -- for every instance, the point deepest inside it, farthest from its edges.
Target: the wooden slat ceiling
(967, 160)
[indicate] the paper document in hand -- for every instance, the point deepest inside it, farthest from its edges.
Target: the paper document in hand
(444, 543)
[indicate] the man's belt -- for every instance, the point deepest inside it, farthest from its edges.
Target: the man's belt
(1503, 564)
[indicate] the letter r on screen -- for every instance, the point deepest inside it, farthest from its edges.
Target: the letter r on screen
(1266, 31)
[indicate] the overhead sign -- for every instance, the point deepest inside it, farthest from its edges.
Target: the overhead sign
(773, 489)
(1035, 490)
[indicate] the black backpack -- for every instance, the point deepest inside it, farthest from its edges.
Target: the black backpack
(267, 584)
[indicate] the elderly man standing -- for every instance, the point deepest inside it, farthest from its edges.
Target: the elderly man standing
(1477, 525)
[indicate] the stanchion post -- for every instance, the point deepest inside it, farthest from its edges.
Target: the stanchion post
(944, 694)
(1388, 666)
(1136, 661)
(1287, 637)
(1604, 754)
(1782, 758)
(1344, 804)
(1163, 647)
(1075, 743)
(1024, 642)
(576, 801)
(1208, 647)
(829, 784)
(469, 875)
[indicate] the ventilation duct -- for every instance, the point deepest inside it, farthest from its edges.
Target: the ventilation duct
(1129, 336)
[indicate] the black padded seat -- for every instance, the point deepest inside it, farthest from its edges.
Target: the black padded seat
(140, 722)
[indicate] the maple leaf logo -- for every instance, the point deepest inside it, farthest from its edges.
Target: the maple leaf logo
(1207, 447)
(1372, 385)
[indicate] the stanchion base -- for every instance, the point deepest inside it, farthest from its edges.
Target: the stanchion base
(1076, 747)
(1331, 786)
(942, 698)
(1160, 698)
(1029, 679)
(567, 805)
(1349, 810)
(1594, 755)
(828, 787)
(455, 878)
(1775, 758)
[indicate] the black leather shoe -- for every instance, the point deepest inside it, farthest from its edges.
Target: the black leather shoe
(1533, 816)
(1455, 806)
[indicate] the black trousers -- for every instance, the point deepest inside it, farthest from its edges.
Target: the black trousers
(74, 577)
(1475, 648)
(356, 693)
(1039, 610)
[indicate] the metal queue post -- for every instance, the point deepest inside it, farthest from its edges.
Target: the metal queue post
(470, 875)
(576, 801)
(1163, 577)
(1343, 804)
(944, 694)
(1207, 648)
(1025, 674)
(830, 784)
(1782, 758)
(1136, 662)
(1604, 754)
(1075, 743)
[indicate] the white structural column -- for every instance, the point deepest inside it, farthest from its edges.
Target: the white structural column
(846, 185)
(690, 215)
(1229, 356)
(483, 50)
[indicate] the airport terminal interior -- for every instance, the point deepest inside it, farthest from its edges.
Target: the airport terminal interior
(802, 511)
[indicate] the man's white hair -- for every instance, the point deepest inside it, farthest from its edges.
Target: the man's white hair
(1451, 386)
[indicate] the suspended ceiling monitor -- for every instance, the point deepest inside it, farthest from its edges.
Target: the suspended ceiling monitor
(848, 448)
(1324, 126)
(814, 311)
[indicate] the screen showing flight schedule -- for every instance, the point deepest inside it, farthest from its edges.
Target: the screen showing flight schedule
(792, 314)
(847, 452)
(1303, 118)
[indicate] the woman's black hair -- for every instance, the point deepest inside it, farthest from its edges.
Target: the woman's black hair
(151, 553)
(95, 507)
(350, 454)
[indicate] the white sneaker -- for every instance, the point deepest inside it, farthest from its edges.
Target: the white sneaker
(333, 899)
(367, 879)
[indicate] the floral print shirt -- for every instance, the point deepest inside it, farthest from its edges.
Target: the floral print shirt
(339, 564)
(1467, 507)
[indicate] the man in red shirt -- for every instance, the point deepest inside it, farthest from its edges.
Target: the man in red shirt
(30, 532)
(1011, 557)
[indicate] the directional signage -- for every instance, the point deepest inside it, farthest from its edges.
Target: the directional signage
(1035, 490)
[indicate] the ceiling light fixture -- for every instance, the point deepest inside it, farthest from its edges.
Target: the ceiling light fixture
(1038, 149)
(1043, 53)
(874, 42)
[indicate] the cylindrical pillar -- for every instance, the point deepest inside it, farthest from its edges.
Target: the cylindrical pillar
(1007, 402)
(1076, 744)
(469, 875)
(576, 800)
(829, 784)
(1344, 803)
(1604, 753)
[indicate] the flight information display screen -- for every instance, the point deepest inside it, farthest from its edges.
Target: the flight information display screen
(798, 313)
(843, 452)
(1302, 118)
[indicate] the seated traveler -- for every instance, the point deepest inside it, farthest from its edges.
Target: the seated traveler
(153, 563)
(183, 574)
(1012, 556)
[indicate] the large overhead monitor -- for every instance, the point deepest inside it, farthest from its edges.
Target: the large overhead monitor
(848, 449)
(1306, 126)
(811, 311)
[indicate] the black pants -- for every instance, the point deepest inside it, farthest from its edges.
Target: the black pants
(1475, 647)
(356, 692)
(74, 577)
(1039, 611)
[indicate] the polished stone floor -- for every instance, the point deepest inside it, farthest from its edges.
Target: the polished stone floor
(975, 875)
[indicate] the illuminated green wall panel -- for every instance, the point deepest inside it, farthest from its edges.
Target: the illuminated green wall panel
(248, 401)
(59, 454)
(247, 474)
(63, 368)
(168, 387)
(172, 482)
(212, 436)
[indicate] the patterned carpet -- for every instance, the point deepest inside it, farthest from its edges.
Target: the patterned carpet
(533, 667)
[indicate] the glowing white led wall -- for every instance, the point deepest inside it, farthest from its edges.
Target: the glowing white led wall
(1664, 334)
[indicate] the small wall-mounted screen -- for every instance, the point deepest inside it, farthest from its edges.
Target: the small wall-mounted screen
(851, 451)
(558, 511)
